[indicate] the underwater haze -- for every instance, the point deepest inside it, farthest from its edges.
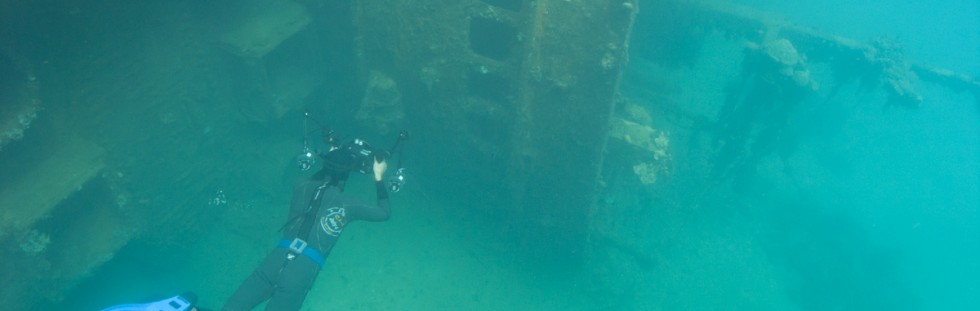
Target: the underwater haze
(759, 154)
(910, 168)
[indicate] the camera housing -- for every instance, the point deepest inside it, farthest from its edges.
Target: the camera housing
(357, 155)
(363, 155)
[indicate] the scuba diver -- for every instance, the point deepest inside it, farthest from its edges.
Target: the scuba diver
(183, 302)
(318, 214)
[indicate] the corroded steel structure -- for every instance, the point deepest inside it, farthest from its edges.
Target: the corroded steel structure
(524, 88)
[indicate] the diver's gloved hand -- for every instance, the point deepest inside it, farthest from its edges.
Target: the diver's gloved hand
(379, 169)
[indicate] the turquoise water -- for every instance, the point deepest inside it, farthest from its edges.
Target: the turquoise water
(769, 195)
(941, 33)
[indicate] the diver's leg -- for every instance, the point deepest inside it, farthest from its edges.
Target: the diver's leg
(294, 283)
(260, 284)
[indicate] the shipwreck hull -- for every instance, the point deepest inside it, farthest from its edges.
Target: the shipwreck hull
(525, 90)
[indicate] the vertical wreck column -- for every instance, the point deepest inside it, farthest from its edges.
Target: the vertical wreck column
(575, 52)
(531, 81)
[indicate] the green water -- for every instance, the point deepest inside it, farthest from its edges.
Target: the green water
(771, 197)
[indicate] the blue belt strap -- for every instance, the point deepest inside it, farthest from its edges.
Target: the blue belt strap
(298, 246)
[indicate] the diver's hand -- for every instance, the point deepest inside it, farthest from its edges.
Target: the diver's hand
(379, 169)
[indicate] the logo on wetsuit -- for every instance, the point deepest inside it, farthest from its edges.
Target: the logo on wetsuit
(333, 223)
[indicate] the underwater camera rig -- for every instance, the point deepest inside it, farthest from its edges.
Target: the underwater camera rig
(362, 153)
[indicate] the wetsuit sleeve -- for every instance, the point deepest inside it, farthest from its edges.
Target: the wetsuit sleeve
(379, 212)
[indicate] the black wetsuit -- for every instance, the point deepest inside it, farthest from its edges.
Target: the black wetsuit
(287, 274)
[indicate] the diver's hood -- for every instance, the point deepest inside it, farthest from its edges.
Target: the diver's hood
(338, 163)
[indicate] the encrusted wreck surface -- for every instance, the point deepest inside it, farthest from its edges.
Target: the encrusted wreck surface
(31, 194)
(524, 88)
(19, 99)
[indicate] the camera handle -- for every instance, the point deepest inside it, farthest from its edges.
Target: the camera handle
(307, 158)
(396, 181)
